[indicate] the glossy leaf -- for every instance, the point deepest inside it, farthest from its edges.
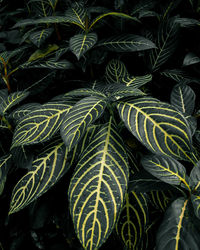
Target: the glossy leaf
(183, 98)
(75, 123)
(133, 219)
(46, 170)
(127, 43)
(40, 125)
(81, 43)
(158, 126)
(39, 37)
(98, 187)
(191, 59)
(4, 167)
(177, 230)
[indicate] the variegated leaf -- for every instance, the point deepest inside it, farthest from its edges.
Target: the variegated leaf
(85, 92)
(38, 37)
(195, 177)
(4, 167)
(161, 199)
(196, 204)
(98, 187)
(48, 64)
(137, 81)
(179, 76)
(75, 123)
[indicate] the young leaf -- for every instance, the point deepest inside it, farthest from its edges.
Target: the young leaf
(46, 170)
(81, 43)
(98, 187)
(85, 112)
(183, 98)
(40, 124)
(127, 43)
(190, 59)
(177, 230)
(38, 37)
(159, 126)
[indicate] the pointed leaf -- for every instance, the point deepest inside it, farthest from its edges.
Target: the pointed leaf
(98, 187)
(190, 59)
(81, 43)
(179, 76)
(137, 81)
(39, 37)
(48, 64)
(187, 22)
(85, 112)
(159, 126)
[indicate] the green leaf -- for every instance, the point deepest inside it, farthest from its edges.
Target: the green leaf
(195, 176)
(177, 230)
(196, 204)
(166, 44)
(161, 199)
(133, 219)
(39, 37)
(4, 167)
(85, 92)
(137, 81)
(125, 91)
(46, 170)
(98, 186)
(81, 43)
(191, 59)
(187, 22)
(75, 123)
(126, 43)
(159, 126)
(40, 124)
(12, 100)
(166, 169)
(183, 98)
(179, 76)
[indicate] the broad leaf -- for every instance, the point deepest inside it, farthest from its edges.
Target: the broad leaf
(166, 169)
(4, 167)
(75, 123)
(40, 124)
(161, 199)
(81, 43)
(183, 98)
(98, 187)
(159, 126)
(191, 59)
(39, 37)
(125, 91)
(46, 170)
(127, 43)
(178, 229)
(133, 219)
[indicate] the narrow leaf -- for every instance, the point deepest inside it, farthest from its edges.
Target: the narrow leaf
(190, 59)
(5, 162)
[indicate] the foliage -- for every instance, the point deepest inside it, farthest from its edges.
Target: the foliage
(99, 124)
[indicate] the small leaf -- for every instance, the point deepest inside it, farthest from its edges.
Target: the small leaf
(195, 176)
(5, 163)
(85, 92)
(38, 37)
(41, 53)
(196, 204)
(190, 59)
(187, 22)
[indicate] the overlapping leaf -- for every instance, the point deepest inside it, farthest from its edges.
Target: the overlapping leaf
(98, 187)
(133, 219)
(81, 43)
(4, 167)
(46, 170)
(85, 112)
(40, 124)
(178, 229)
(159, 126)
(183, 98)
(85, 92)
(48, 64)
(195, 176)
(39, 37)
(179, 76)
(126, 43)
(116, 71)
(196, 204)
(190, 59)
(161, 199)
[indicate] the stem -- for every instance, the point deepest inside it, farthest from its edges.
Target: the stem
(5, 77)
(57, 32)
(6, 122)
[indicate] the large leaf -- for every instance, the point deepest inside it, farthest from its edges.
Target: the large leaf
(40, 124)
(166, 169)
(75, 123)
(98, 187)
(183, 98)
(4, 167)
(178, 230)
(46, 170)
(81, 43)
(133, 219)
(127, 43)
(38, 37)
(159, 126)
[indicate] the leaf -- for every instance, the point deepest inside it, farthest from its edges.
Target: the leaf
(12, 100)
(133, 219)
(84, 113)
(81, 43)
(5, 162)
(159, 126)
(137, 81)
(41, 53)
(195, 176)
(166, 169)
(183, 98)
(161, 199)
(190, 59)
(196, 204)
(40, 125)
(46, 170)
(39, 37)
(187, 22)
(166, 44)
(125, 91)
(85, 92)
(98, 186)
(126, 43)
(177, 230)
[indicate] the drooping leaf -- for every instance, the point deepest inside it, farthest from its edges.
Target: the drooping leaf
(46, 170)
(183, 98)
(127, 43)
(40, 124)
(166, 169)
(178, 230)
(159, 126)
(81, 43)
(38, 37)
(191, 59)
(98, 187)
(133, 219)
(85, 112)
(4, 167)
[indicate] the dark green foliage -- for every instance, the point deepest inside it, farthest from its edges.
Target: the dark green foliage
(99, 124)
